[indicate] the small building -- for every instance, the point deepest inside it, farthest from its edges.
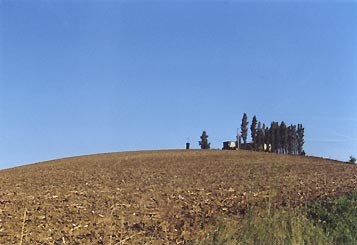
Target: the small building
(267, 147)
(230, 145)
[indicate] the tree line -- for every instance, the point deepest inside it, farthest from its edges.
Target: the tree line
(278, 138)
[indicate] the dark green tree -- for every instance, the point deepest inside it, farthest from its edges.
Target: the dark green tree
(264, 129)
(283, 138)
(267, 138)
(204, 141)
(295, 140)
(272, 137)
(292, 139)
(275, 137)
(352, 160)
(260, 138)
(244, 129)
(300, 139)
(253, 131)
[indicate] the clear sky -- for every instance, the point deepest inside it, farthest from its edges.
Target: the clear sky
(83, 77)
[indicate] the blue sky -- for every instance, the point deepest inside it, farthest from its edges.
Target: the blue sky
(83, 77)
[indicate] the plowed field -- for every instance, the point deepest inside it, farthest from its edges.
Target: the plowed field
(158, 197)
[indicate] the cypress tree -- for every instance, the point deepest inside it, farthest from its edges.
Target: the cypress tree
(277, 147)
(272, 137)
(260, 138)
(283, 137)
(244, 129)
(267, 138)
(253, 130)
(263, 131)
(294, 133)
(204, 141)
(300, 139)
(291, 139)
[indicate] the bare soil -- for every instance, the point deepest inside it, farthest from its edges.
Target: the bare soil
(155, 197)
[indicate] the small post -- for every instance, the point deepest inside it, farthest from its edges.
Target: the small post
(187, 146)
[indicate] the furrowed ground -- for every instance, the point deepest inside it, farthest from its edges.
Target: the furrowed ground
(158, 197)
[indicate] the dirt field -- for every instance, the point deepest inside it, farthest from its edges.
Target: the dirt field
(158, 197)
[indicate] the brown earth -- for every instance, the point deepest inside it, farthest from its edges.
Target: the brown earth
(156, 197)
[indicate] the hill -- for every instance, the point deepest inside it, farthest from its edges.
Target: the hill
(162, 196)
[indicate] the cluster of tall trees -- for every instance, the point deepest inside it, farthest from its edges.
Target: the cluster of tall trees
(278, 138)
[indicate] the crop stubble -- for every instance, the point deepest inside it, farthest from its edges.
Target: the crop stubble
(155, 196)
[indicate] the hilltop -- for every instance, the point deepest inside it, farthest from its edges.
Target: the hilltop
(162, 196)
